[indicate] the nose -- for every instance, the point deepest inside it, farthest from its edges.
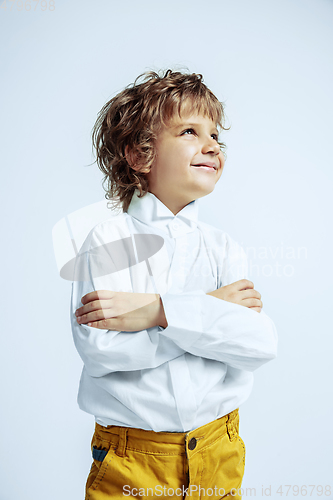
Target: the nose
(211, 146)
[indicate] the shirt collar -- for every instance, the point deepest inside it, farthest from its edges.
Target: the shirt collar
(150, 210)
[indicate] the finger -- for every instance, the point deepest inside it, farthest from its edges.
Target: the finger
(93, 306)
(250, 293)
(108, 324)
(251, 302)
(258, 309)
(99, 314)
(103, 324)
(244, 284)
(97, 294)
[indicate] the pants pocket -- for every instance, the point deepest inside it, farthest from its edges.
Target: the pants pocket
(238, 452)
(101, 454)
(233, 433)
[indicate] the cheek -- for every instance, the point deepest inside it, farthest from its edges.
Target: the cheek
(222, 160)
(185, 156)
(173, 159)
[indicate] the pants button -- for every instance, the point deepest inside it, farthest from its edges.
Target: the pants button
(192, 444)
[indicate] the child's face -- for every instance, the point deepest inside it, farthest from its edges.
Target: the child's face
(175, 177)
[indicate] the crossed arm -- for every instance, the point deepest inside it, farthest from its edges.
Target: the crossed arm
(123, 311)
(211, 325)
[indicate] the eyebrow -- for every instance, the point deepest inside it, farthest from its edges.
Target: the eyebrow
(188, 125)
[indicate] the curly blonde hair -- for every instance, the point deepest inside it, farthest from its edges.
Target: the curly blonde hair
(131, 120)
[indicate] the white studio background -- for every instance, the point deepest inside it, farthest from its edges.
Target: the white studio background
(271, 63)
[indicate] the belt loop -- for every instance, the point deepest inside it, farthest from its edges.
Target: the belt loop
(121, 448)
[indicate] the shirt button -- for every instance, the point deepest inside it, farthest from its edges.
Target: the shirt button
(192, 444)
(175, 226)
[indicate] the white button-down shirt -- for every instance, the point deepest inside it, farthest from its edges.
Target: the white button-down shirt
(201, 366)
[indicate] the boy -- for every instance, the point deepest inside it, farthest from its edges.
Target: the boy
(163, 316)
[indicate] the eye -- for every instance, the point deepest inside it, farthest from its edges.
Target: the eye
(188, 130)
(215, 137)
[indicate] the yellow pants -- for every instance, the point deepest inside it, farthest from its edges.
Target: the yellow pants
(206, 463)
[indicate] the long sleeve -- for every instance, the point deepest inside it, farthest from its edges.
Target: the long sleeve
(197, 369)
(206, 326)
(107, 351)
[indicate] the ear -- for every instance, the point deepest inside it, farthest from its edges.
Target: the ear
(131, 157)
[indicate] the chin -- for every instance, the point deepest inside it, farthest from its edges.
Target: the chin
(203, 192)
(209, 188)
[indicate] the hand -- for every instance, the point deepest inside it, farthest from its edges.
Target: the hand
(121, 311)
(241, 292)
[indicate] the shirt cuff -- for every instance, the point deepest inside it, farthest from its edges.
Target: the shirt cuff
(183, 313)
